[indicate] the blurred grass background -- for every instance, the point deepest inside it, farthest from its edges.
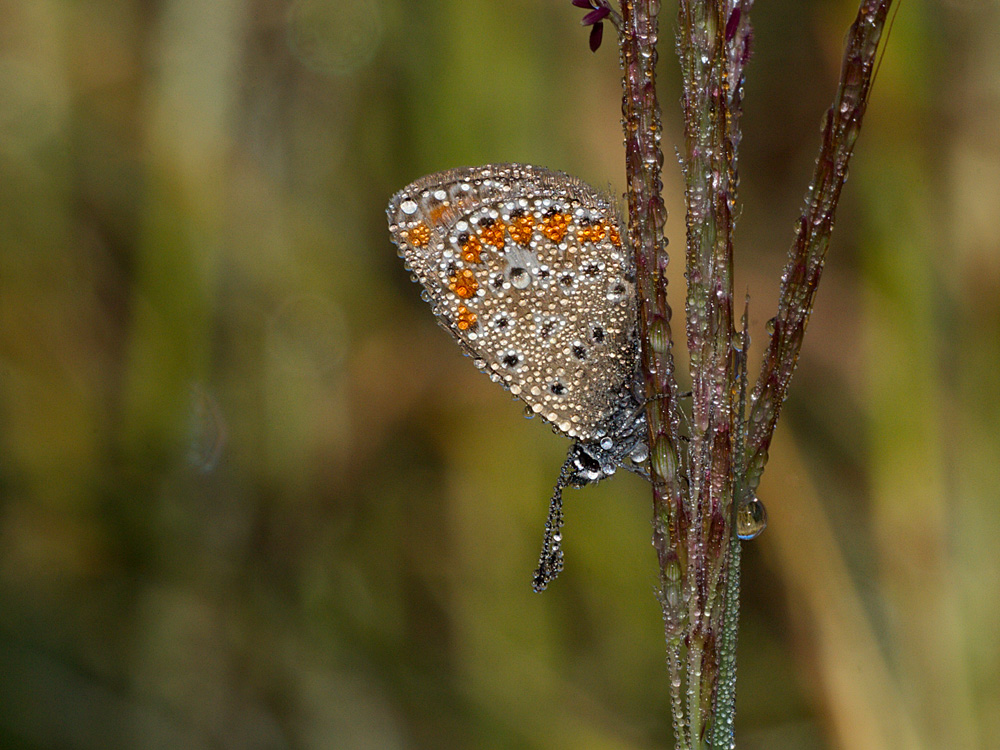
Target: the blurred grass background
(252, 497)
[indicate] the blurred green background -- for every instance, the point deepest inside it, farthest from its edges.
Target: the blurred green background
(252, 497)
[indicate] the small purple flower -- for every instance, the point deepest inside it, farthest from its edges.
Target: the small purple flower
(597, 14)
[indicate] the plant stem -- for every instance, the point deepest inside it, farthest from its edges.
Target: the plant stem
(815, 225)
(723, 735)
(646, 219)
(701, 478)
(712, 45)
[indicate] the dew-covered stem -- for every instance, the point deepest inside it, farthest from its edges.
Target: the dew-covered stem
(713, 40)
(706, 468)
(800, 279)
(646, 219)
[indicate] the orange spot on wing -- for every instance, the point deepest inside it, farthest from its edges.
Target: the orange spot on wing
(419, 236)
(464, 283)
(520, 230)
(592, 232)
(466, 319)
(492, 234)
(437, 212)
(471, 248)
(554, 227)
(613, 236)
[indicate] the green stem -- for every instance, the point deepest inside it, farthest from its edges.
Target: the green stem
(723, 734)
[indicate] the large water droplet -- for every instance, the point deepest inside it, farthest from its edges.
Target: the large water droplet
(751, 519)
(519, 278)
(640, 453)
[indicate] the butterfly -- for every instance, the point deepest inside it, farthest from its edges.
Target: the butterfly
(525, 267)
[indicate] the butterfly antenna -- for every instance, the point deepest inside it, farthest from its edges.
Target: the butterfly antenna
(550, 562)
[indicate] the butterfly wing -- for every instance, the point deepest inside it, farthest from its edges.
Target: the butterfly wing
(525, 267)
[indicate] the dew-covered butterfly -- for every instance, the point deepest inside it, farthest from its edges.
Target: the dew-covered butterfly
(525, 267)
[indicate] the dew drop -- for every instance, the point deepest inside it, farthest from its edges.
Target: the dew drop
(519, 278)
(751, 519)
(408, 207)
(640, 453)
